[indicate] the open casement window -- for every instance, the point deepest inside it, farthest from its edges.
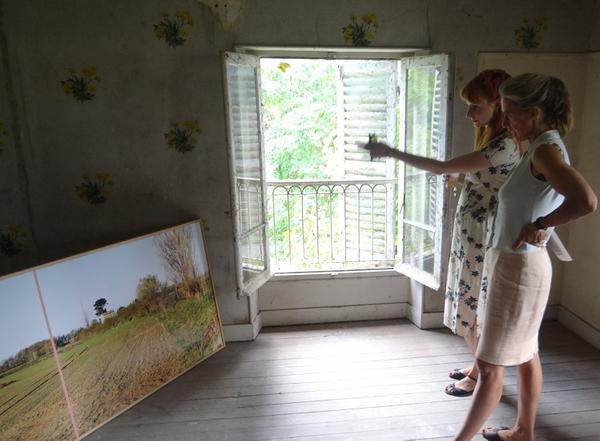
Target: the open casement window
(423, 108)
(391, 214)
(242, 96)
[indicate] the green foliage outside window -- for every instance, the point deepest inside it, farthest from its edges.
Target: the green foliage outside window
(300, 120)
(299, 115)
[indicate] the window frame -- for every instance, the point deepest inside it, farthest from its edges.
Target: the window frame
(243, 288)
(371, 53)
(442, 225)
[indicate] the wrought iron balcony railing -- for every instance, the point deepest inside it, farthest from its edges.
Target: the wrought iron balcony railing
(331, 224)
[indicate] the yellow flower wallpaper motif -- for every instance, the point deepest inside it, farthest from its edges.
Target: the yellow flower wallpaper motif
(11, 240)
(81, 85)
(528, 34)
(173, 30)
(181, 137)
(95, 190)
(360, 34)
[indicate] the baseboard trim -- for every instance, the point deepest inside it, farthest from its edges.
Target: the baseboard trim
(551, 312)
(579, 326)
(244, 332)
(426, 320)
(333, 314)
(435, 320)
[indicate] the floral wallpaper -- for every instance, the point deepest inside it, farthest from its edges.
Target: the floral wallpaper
(529, 34)
(360, 33)
(81, 84)
(182, 136)
(173, 29)
(95, 189)
(12, 240)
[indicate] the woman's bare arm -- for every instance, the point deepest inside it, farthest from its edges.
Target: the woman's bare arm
(470, 162)
(580, 199)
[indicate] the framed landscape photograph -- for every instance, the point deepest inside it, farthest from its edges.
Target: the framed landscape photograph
(124, 320)
(32, 400)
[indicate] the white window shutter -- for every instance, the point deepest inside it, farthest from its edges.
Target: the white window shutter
(367, 105)
(424, 102)
(246, 160)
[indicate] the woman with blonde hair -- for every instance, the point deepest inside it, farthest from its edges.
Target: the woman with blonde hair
(542, 191)
(484, 171)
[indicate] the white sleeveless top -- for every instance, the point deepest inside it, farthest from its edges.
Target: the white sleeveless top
(523, 198)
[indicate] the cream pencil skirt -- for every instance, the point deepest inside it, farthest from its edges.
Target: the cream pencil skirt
(514, 293)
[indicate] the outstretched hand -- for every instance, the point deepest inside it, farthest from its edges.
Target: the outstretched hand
(378, 149)
(531, 234)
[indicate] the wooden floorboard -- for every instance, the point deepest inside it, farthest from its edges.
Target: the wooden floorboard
(375, 381)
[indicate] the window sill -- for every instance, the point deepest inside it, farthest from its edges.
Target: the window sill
(349, 274)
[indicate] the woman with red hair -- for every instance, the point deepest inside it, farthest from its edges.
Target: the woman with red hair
(484, 170)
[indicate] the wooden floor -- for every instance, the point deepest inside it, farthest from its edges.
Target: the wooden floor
(370, 381)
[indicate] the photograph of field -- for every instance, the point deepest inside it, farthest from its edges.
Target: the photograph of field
(32, 403)
(126, 320)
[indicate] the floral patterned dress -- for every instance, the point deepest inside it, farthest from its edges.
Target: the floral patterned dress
(474, 213)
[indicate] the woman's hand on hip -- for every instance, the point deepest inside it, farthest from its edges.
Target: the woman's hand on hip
(531, 234)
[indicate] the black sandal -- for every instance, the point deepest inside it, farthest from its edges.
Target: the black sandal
(492, 435)
(455, 391)
(456, 374)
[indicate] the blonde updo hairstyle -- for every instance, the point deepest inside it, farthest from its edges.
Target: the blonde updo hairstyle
(547, 93)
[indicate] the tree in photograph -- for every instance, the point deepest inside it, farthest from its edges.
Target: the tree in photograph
(153, 295)
(100, 306)
(148, 287)
(62, 340)
(176, 251)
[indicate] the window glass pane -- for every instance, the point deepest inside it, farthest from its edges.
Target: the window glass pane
(418, 248)
(420, 84)
(419, 207)
(250, 203)
(253, 254)
(420, 119)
